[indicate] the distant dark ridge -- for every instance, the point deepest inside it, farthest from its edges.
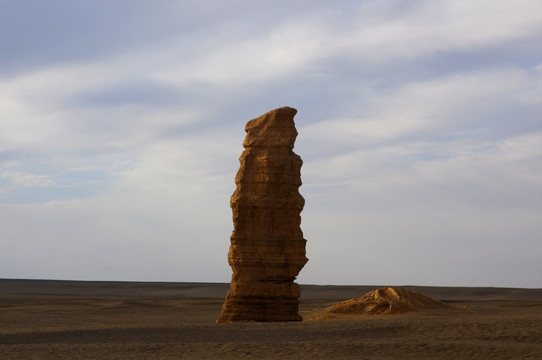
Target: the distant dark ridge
(451, 293)
(141, 289)
(137, 289)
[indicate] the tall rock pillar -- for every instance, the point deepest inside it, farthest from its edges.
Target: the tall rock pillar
(267, 246)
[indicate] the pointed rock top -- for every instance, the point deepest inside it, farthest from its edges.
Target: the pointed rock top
(274, 128)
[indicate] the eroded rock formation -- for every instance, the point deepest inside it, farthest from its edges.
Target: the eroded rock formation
(383, 301)
(267, 246)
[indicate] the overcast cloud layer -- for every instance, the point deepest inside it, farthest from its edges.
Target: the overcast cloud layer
(420, 126)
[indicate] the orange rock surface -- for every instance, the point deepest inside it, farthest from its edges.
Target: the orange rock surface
(384, 301)
(267, 246)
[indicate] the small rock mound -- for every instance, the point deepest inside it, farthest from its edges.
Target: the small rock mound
(384, 301)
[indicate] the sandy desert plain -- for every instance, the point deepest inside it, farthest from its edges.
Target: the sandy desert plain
(42, 319)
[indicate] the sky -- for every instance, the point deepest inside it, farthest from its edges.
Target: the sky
(420, 128)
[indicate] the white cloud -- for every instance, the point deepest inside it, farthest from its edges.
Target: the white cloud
(483, 22)
(429, 27)
(408, 161)
(130, 236)
(19, 179)
(457, 106)
(237, 62)
(42, 114)
(423, 175)
(407, 247)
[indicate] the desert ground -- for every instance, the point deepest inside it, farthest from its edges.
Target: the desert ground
(135, 320)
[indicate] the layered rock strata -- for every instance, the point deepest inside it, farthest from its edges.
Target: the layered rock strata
(383, 301)
(267, 246)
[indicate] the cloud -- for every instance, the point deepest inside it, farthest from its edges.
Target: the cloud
(472, 105)
(419, 125)
(127, 235)
(400, 247)
(425, 28)
(18, 179)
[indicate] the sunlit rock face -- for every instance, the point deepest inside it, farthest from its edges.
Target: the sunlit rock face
(383, 301)
(267, 246)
